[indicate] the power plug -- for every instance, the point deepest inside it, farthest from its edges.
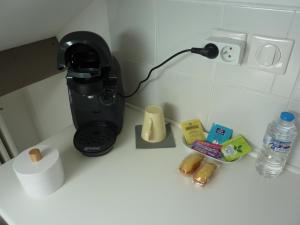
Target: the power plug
(210, 51)
(231, 46)
(231, 50)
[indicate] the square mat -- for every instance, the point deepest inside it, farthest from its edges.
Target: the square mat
(168, 142)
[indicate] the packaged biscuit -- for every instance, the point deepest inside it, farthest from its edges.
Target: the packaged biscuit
(192, 131)
(204, 173)
(191, 163)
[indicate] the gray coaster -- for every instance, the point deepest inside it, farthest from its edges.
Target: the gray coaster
(168, 142)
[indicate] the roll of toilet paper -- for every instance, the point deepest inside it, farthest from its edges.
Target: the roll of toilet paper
(39, 178)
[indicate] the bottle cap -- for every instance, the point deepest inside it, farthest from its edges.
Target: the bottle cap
(287, 116)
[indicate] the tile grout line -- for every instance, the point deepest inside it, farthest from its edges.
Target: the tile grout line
(155, 21)
(298, 75)
(212, 92)
(155, 29)
(245, 4)
(291, 24)
(266, 94)
(273, 83)
(275, 77)
(293, 90)
(213, 74)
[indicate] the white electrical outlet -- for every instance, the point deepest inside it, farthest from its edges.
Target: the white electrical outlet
(231, 46)
(228, 53)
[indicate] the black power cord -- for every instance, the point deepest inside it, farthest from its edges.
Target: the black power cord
(210, 51)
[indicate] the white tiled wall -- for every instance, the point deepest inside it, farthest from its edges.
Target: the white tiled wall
(132, 30)
(19, 120)
(49, 104)
(37, 111)
(145, 32)
(93, 18)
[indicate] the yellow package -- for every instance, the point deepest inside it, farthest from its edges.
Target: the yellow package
(203, 174)
(192, 131)
(191, 163)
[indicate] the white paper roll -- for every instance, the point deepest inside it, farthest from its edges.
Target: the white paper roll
(39, 178)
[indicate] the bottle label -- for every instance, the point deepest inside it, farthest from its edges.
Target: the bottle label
(276, 145)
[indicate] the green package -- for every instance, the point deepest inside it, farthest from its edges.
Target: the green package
(235, 148)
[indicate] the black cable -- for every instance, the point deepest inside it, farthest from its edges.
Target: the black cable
(210, 51)
(154, 68)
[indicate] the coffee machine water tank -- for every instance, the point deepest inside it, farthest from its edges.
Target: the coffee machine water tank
(95, 89)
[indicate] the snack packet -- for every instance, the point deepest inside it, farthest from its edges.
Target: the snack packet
(192, 131)
(191, 163)
(204, 173)
(213, 150)
(235, 148)
(218, 134)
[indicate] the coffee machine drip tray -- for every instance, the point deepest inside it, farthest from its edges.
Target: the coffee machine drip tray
(95, 138)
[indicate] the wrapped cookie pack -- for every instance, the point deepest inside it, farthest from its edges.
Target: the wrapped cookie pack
(202, 169)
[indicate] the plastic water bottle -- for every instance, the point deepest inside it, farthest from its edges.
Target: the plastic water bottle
(277, 144)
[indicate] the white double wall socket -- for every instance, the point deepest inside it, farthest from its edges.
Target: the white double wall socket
(231, 46)
(270, 54)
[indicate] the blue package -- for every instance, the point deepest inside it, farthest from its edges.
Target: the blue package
(218, 134)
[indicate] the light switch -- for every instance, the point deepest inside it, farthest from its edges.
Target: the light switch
(270, 54)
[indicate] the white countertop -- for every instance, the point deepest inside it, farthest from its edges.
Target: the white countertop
(132, 186)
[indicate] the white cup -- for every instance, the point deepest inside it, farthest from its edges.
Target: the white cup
(154, 127)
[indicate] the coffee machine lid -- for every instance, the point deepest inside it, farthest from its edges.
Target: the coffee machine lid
(85, 54)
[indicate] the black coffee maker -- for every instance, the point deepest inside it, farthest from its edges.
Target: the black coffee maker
(95, 89)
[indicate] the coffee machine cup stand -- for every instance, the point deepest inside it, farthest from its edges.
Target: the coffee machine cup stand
(95, 91)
